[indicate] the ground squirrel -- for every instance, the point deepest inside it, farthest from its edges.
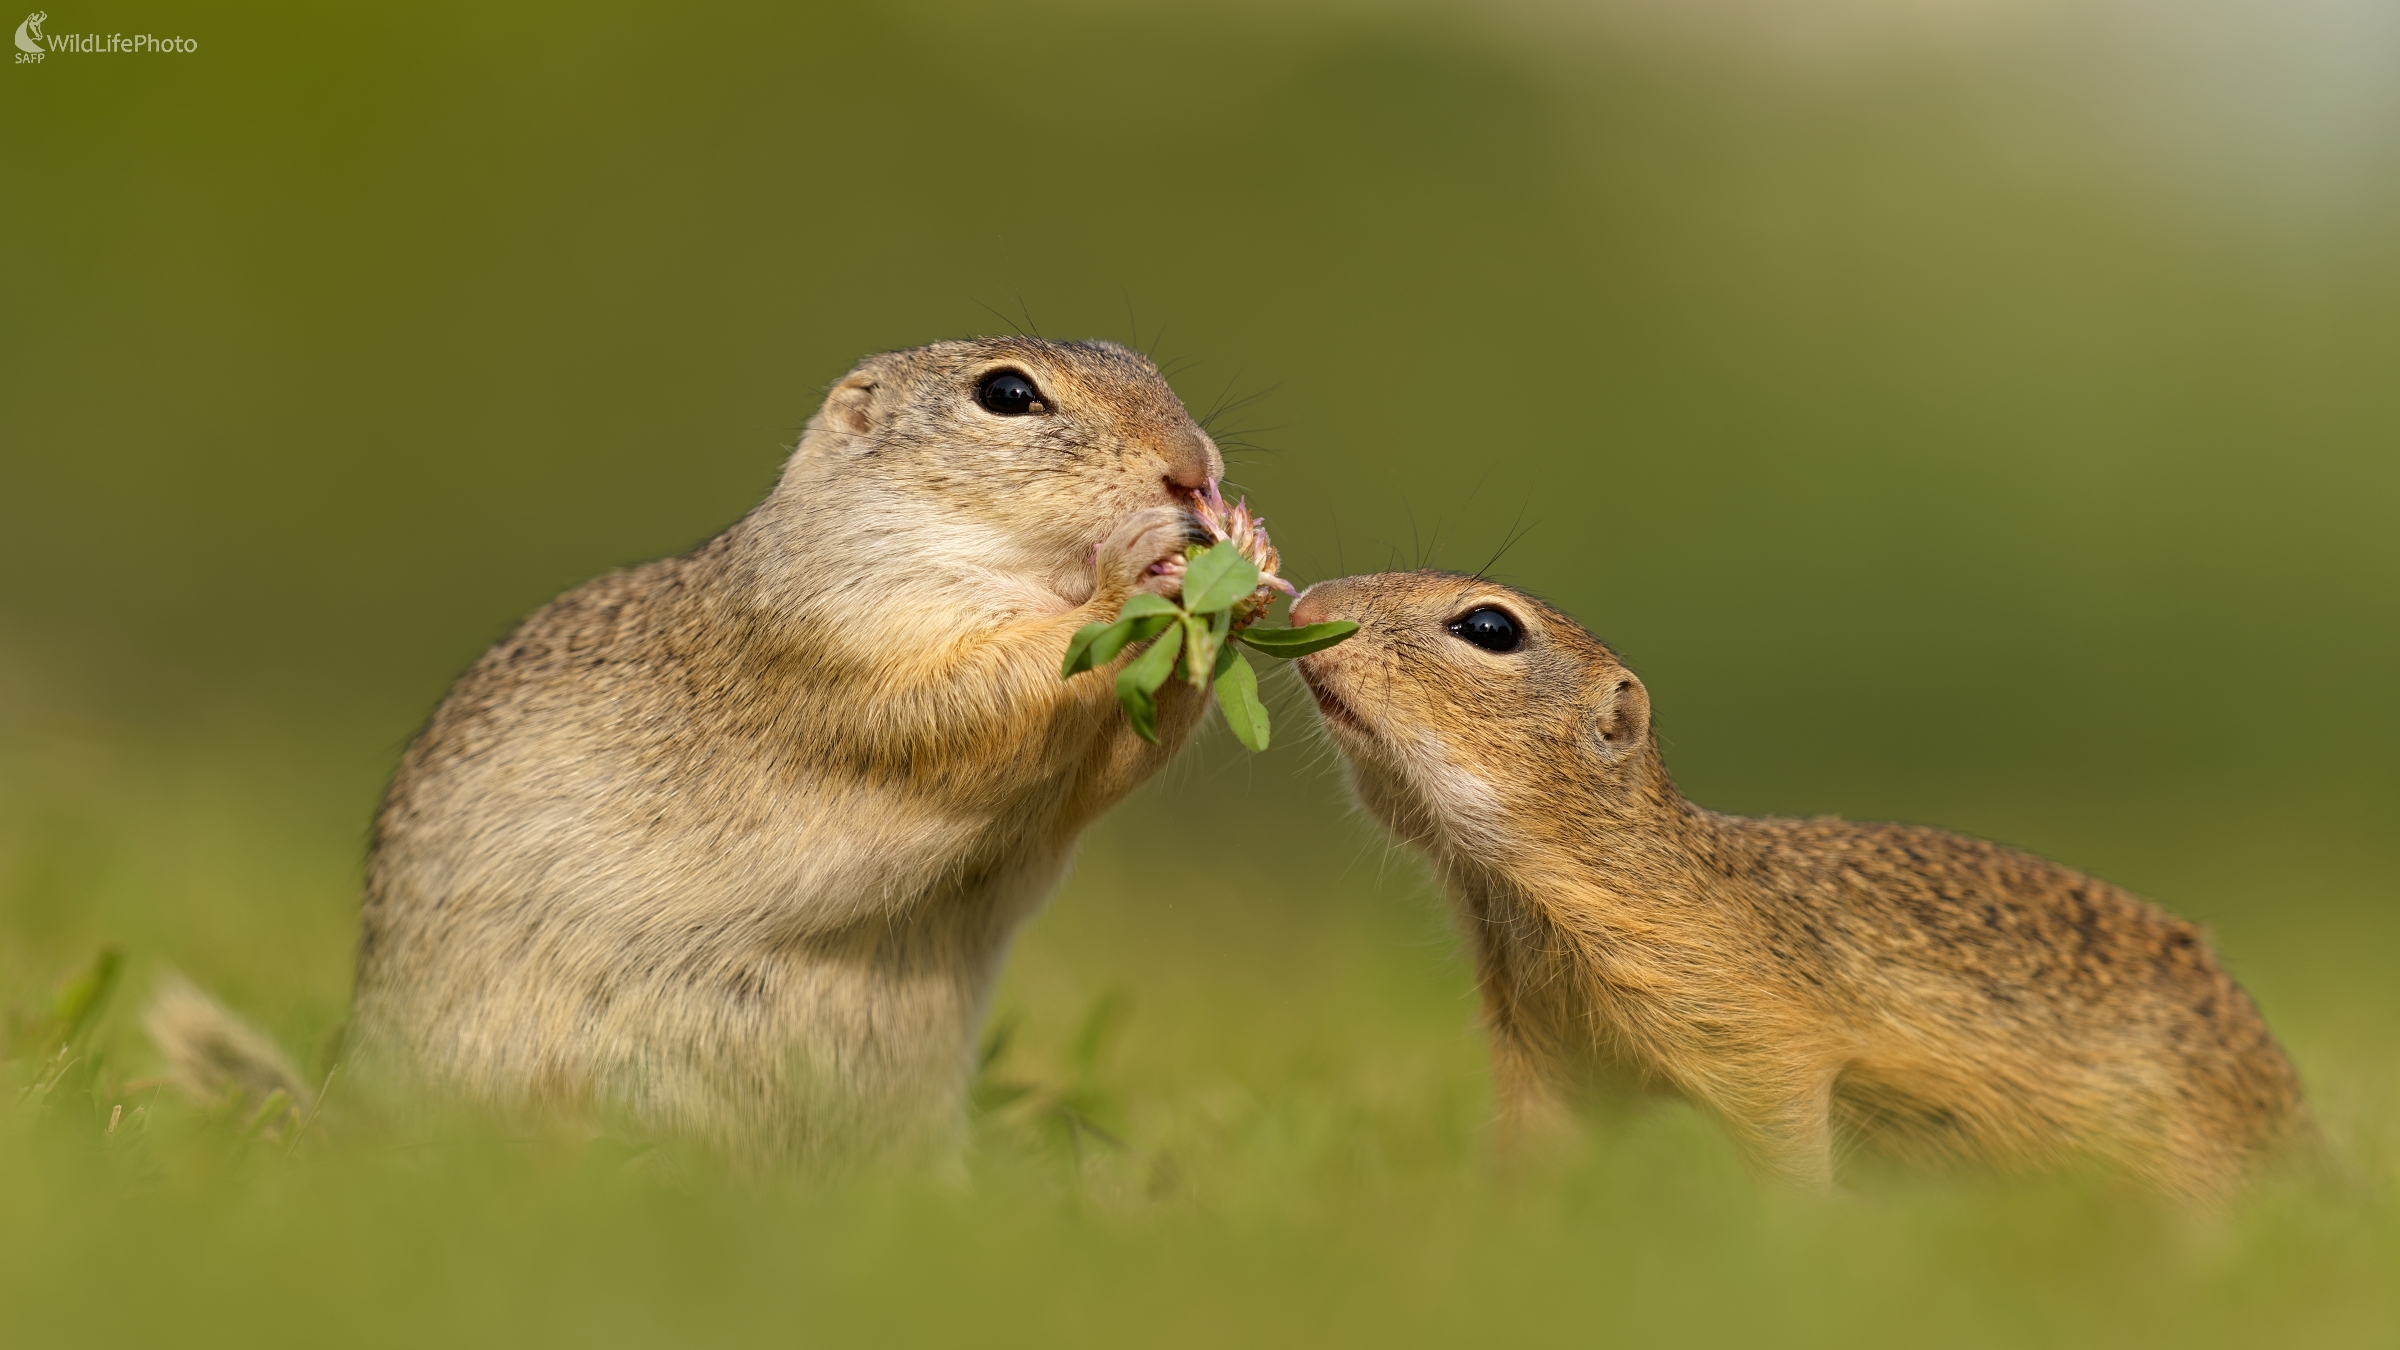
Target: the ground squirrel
(731, 845)
(1816, 984)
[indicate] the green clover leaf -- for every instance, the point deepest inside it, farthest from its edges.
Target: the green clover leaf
(1290, 642)
(1237, 698)
(1218, 578)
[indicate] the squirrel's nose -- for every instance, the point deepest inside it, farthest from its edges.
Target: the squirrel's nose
(1325, 600)
(1192, 460)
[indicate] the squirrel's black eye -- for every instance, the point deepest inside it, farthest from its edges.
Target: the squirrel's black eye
(1009, 394)
(1487, 628)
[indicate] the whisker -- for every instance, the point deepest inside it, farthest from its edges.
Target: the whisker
(1508, 542)
(995, 313)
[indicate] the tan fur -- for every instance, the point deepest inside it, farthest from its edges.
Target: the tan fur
(1813, 983)
(732, 844)
(213, 1055)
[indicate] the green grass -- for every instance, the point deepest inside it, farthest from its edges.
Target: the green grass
(1259, 1120)
(1988, 425)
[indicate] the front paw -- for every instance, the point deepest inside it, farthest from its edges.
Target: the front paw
(1144, 555)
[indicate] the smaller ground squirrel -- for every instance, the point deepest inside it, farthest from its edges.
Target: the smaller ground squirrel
(1816, 984)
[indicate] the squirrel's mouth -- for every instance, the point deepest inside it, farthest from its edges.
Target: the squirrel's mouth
(1336, 712)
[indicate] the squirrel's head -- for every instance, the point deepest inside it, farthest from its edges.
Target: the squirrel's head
(1462, 706)
(1020, 454)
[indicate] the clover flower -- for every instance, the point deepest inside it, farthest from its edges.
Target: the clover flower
(1226, 586)
(1245, 530)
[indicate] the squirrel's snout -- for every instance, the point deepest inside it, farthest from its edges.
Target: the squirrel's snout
(1192, 461)
(1322, 603)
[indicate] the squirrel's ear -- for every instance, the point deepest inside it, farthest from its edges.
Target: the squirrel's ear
(851, 406)
(1619, 719)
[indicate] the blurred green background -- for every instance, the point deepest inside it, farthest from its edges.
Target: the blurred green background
(1976, 412)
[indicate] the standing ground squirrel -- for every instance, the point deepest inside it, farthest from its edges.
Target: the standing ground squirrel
(1813, 983)
(732, 844)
